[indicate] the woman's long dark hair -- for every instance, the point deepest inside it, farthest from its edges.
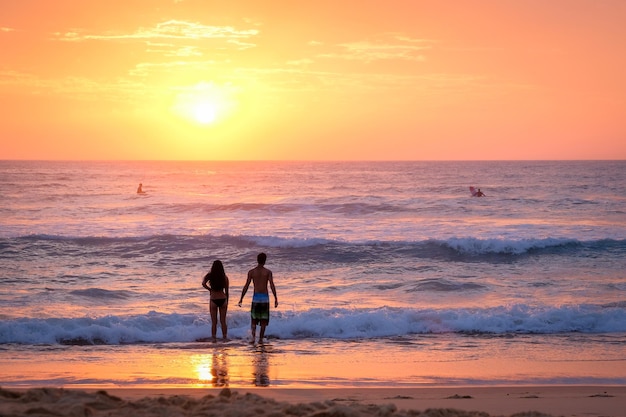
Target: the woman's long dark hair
(217, 276)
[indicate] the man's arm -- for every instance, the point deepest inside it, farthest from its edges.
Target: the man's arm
(245, 288)
(271, 281)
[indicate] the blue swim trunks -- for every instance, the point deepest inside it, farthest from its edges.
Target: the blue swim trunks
(260, 307)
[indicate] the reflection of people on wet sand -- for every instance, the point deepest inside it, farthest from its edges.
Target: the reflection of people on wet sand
(260, 310)
(261, 368)
(218, 288)
(140, 189)
(219, 369)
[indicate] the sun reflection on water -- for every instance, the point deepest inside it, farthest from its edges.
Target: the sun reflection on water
(212, 368)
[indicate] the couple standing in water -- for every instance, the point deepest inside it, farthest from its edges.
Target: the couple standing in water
(217, 283)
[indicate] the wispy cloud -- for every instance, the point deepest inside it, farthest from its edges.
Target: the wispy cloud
(171, 50)
(386, 47)
(299, 78)
(172, 30)
(79, 88)
(147, 69)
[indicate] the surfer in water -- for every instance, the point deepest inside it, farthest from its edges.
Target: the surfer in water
(476, 192)
(140, 189)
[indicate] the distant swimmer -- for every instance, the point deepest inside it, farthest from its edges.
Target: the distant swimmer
(140, 189)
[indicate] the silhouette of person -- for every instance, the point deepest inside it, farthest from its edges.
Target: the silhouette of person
(260, 309)
(140, 189)
(217, 283)
(480, 193)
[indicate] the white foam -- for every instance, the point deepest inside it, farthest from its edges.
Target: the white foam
(335, 323)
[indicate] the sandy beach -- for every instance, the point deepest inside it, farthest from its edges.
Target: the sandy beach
(569, 401)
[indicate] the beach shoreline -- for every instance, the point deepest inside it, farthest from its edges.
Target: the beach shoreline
(570, 400)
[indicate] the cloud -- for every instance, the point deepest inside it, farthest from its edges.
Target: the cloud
(241, 45)
(169, 30)
(79, 88)
(173, 38)
(386, 47)
(14, 78)
(169, 49)
(6, 29)
(298, 77)
(147, 69)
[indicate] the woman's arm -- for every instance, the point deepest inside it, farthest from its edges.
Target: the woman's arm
(204, 281)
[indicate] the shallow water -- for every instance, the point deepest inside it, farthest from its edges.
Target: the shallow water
(425, 361)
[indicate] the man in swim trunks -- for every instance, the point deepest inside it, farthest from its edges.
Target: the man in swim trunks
(260, 310)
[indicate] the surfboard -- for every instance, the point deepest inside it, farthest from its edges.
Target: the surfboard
(473, 191)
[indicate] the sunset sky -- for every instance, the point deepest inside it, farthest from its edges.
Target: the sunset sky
(313, 80)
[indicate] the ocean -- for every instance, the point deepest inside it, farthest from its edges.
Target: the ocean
(389, 274)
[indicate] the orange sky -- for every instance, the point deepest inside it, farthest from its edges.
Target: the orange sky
(313, 80)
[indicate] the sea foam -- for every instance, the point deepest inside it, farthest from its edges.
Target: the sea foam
(335, 323)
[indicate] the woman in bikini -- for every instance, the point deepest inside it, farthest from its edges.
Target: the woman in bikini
(216, 282)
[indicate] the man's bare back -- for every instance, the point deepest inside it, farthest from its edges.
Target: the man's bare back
(260, 277)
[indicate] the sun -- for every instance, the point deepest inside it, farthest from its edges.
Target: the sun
(204, 103)
(205, 112)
